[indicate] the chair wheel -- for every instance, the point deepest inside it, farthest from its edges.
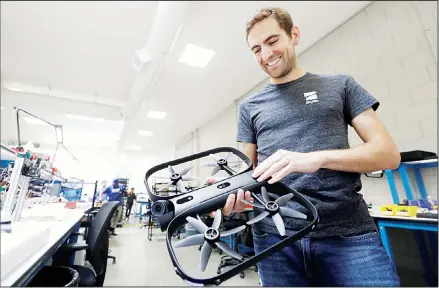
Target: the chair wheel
(114, 261)
(218, 271)
(242, 275)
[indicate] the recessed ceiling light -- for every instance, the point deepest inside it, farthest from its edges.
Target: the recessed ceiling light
(86, 118)
(32, 120)
(134, 147)
(196, 56)
(3, 108)
(145, 133)
(156, 114)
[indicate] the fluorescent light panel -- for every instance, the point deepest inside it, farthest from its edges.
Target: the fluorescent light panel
(196, 56)
(144, 133)
(156, 114)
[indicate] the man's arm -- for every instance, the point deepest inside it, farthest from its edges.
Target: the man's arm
(250, 151)
(379, 151)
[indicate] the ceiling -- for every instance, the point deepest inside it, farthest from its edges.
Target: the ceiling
(76, 58)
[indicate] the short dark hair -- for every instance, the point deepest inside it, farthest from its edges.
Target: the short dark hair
(282, 17)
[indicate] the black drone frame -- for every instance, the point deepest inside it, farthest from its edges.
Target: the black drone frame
(171, 211)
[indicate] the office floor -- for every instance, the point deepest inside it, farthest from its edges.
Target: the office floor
(141, 262)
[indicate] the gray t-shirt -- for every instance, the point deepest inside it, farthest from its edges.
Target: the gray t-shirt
(311, 113)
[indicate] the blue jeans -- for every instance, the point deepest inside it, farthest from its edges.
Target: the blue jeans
(359, 260)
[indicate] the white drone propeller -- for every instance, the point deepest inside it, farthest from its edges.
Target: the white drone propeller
(220, 162)
(210, 236)
(275, 209)
(178, 178)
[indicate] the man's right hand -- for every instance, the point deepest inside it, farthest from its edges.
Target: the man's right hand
(233, 203)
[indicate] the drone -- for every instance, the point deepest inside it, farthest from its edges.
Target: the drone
(178, 178)
(172, 212)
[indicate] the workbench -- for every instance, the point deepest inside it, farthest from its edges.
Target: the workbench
(411, 223)
(62, 223)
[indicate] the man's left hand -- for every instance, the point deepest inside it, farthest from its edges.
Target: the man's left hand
(283, 162)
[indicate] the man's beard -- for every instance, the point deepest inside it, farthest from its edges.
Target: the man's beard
(290, 65)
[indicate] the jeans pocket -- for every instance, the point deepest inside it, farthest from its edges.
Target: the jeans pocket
(365, 236)
(258, 234)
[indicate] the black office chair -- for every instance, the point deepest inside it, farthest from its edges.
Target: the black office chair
(87, 224)
(97, 244)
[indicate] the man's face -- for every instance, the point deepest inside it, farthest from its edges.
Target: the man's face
(273, 48)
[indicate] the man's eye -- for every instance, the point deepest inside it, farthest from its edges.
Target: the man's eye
(272, 42)
(256, 51)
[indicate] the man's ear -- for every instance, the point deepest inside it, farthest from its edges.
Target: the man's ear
(295, 32)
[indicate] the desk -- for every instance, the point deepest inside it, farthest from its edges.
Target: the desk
(411, 223)
(416, 166)
(60, 231)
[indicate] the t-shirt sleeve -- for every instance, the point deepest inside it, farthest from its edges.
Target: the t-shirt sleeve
(357, 100)
(246, 132)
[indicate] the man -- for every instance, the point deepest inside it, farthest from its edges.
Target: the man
(130, 201)
(114, 193)
(295, 131)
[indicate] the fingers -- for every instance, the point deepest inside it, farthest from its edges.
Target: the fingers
(280, 175)
(228, 207)
(248, 196)
(273, 169)
(267, 164)
(234, 203)
(239, 205)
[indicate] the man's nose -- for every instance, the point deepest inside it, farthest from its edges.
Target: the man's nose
(266, 54)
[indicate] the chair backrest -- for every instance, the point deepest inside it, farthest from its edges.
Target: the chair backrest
(97, 237)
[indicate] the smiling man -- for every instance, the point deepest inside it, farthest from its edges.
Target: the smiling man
(296, 131)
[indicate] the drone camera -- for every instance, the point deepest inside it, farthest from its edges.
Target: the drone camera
(161, 207)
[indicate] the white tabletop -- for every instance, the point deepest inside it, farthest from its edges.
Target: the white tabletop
(410, 219)
(62, 222)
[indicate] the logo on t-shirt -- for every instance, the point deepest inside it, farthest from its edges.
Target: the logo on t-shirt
(311, 97)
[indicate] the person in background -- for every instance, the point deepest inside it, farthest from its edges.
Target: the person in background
(114, 193)
(130, 201)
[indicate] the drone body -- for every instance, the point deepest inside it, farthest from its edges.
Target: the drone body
(173, 212)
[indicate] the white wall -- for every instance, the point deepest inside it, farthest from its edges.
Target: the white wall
(136, 165)
(220, 131)
(386, 48)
